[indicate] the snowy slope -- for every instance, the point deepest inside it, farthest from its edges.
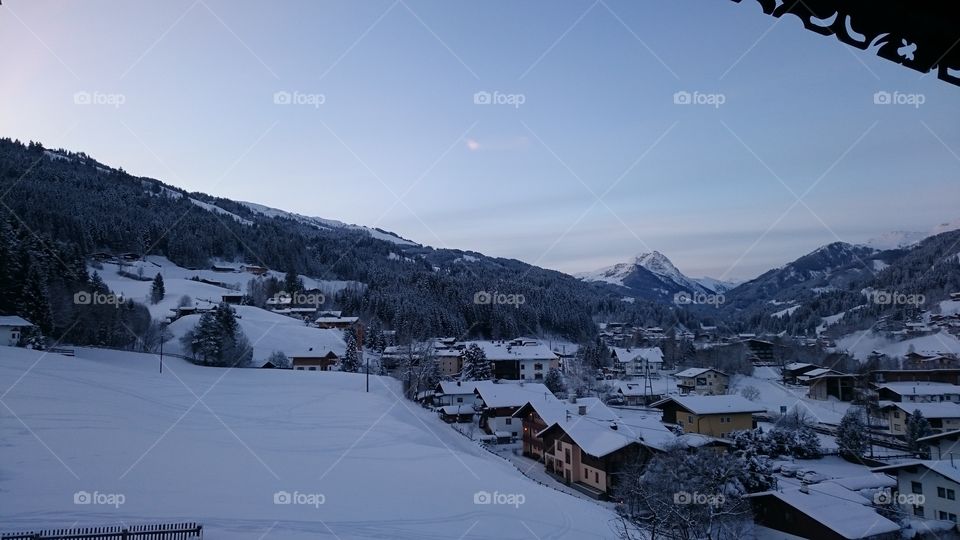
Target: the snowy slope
(322, 223)
(716, 285)
(268, 332)
(215, 445)
(178, 282)
(655, 263)
(861, 344)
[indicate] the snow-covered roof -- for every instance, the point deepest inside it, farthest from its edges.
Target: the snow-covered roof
(836, 508)
(945, 409)
(866, 481)
(505, 350)
(596, 437)
(653, 355)
(713, 404)
(630, 388)
(818, 372)
(696, 372)
(945, 435)
(456, 409)
(909, 388)
(496, 395)
(556, 410)
(331, 320)
(942, 467)
(793, 366)
(13, 320)
(457, 387)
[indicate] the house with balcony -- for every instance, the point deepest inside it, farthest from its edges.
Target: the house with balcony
(935, 485)
(715, 416)
(703, 381)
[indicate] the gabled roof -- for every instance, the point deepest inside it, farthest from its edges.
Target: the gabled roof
(595, 437)
(497, 395)
(819, 372)
(941, 467)
(920, 388)
(836, 508)
(696, 372)
(556, 410)
(653, 355)
(701, 405)
(457, 387)
(506, 350)
(944, 409)
(13, 320)
(794, 366)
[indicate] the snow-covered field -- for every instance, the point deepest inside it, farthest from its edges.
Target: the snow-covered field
(861, 344)
(216, 445)
(177, 282)
(268, 332)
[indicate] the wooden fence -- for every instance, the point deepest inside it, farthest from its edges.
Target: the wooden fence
(156, 531)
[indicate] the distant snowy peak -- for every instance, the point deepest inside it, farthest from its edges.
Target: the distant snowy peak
(661, 271)
(903, 239)
(659, 264)
(322, 223)
(716, 285)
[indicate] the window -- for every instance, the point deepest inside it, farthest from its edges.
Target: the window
(689, 418)
(538, 367)
(300, 368)
(312, 368)
(918, 510)
(896, 414)
(459, 400)
(945, 493)
(566, 455)
(946, 516)
(586, 473)
(916, 487)
(509, 421)
(596, 478)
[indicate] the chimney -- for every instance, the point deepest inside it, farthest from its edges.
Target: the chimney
(582, 411)
(573, 398)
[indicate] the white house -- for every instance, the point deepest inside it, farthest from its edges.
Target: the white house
(937, 481)
(455, 393)
(498, 402)
(919, 391)
(519, 359)
(638, 362)
(943, 416)
(11, 328)
(703, 381)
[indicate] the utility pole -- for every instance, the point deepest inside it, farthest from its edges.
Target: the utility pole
(161, 351)
(368, 374)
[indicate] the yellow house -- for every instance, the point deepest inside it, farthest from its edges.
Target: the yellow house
(715, 416)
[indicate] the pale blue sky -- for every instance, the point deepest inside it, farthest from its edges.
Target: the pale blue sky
(700, 183)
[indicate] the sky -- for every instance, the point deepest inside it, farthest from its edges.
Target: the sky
(557, 133)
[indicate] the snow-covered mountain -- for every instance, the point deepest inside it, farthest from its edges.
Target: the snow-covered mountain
(650, 275)
(903, 239)
(322, 223)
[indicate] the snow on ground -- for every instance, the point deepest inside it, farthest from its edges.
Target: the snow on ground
(950, 307)
(178, 282)
(785, 312)
(216, 445)
(268, 332)
(774, 394)
(829, 320)
(861, 344)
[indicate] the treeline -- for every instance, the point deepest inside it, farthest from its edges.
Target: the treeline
(419, 291)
